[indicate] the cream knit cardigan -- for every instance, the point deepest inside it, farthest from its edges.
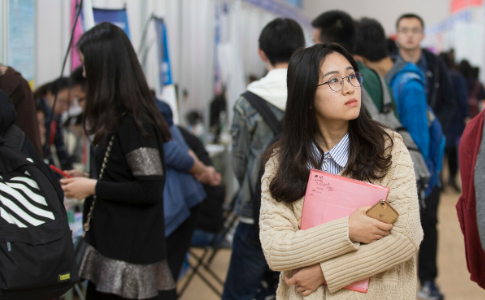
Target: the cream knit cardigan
(389, 262)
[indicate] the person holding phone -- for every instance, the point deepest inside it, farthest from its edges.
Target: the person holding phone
(126, 253)
(324, 98)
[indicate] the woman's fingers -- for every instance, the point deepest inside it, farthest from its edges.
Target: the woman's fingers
(383, 226)
(65, 181)
(381, 232)
(290, 281)
(300, 289)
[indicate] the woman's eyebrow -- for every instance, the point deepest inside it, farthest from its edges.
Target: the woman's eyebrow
(336, 72)
(330, 73)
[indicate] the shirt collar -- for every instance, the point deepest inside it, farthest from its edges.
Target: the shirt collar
(340, 153)
(422, 62)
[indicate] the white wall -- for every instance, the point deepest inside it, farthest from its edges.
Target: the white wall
(52, 38)
(3, 30)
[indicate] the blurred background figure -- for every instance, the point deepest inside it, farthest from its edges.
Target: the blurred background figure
(476, 92)
(46, 95)
(462, 115)
(18, 90)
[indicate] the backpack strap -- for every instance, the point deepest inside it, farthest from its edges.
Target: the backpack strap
(386, 95)
(369, 105)
(264, 110)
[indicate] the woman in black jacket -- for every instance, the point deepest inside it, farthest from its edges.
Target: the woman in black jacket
(126, 256)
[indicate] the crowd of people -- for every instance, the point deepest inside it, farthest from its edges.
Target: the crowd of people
(355, 104)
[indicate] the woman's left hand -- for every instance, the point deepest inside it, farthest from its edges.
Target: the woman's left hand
(78, 187)
(306, 280)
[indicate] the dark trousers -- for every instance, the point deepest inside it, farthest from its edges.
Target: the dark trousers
(92, 294)
(427, 269)
(247, 265)
(178, 242)
(452, 153)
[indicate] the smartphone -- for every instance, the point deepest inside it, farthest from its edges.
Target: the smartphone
(383, 212)
(59, 171)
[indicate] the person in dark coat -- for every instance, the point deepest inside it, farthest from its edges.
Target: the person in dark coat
(18, 90)
(126, 253)
(462, 115)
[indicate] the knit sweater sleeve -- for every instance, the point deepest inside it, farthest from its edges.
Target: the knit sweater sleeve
(143, 157)
(404, 239)
(284, 245)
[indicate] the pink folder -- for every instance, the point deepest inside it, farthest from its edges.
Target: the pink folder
(330, 197)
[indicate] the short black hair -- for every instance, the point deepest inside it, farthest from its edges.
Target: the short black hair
(370, 40)
(336, 26)
(280, 38)
(466, 69)
(446, 58)
(58, 85)
(409, 16)
(391, 45)
(77, 78)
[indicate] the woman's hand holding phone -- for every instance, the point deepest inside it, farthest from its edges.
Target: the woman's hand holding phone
(364, 229)
(78, 187)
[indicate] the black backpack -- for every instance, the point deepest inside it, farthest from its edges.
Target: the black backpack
(36, 249)
(276, 126)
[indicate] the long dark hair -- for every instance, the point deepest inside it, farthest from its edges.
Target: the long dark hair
(367, 155)
(115, 84)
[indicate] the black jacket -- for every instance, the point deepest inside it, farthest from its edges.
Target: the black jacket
(440, 91)
(128, 222)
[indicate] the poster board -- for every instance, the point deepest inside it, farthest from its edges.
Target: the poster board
(21, 38)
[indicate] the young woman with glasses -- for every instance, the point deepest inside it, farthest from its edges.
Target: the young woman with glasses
(327, 128)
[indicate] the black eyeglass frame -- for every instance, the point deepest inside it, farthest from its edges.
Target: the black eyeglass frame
(343, 79)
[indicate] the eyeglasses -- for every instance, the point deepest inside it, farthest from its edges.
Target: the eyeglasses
(412, 30)
(337, 83)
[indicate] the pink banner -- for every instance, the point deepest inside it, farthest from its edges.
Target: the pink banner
(78, 32)
(457, 5)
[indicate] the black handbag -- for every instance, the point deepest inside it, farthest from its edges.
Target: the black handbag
(80, 243)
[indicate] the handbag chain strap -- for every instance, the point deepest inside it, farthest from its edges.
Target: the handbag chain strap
(103, 168)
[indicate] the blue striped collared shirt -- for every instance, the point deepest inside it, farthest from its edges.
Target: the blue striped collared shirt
(335, 160)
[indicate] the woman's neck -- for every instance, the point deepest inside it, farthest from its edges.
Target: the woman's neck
(331, 134)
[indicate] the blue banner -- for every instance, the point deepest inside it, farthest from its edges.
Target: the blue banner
(118, 17)
(165, 73)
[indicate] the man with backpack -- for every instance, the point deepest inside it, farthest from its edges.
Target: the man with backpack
(439, 95)
(253, 128)
(407, 83)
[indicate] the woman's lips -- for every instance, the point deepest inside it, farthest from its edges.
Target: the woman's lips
(351, 102)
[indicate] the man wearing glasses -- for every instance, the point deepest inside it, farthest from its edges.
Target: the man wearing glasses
(439, 94)
(410, 33)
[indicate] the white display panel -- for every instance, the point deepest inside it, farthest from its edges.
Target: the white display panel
(21, 38)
